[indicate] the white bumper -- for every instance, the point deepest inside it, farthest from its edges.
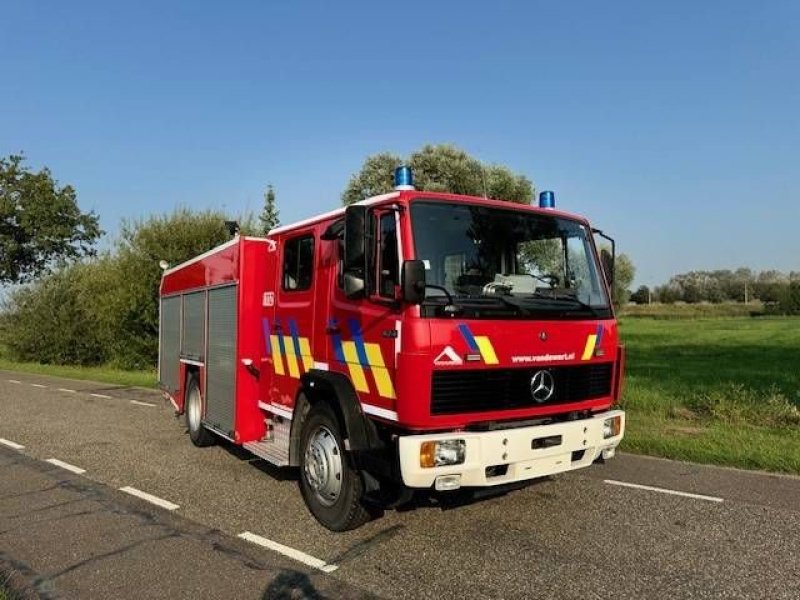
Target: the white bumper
(515, 448)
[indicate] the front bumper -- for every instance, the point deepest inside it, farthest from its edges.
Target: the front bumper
(511, 453)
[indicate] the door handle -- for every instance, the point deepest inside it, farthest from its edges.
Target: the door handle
(333, 330)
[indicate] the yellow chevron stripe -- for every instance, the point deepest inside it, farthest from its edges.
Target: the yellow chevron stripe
(487, 350)
(305, 352)
(588, 350)
(379, 371)
(277, 360)
(356, 370)
(291, 357)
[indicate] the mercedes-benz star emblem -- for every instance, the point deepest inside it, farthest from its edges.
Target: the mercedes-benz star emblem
(542, 386)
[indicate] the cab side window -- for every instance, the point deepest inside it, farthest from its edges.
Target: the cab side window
(388, 259)
(298, 263)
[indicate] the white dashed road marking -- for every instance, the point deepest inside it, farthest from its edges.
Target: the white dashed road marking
(137, 403)
(297, 555)
(650, 488)
(11, 444)
(39, 385)
(149, 497)
(66, 390)
(67, 466)
(100, 396)
(14, 381)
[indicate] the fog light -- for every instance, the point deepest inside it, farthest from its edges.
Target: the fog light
(447, 482)
(440, 453)
(609, 453)
(612, 426)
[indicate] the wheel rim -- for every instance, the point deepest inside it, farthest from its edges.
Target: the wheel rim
(323, 466)
(193, 409)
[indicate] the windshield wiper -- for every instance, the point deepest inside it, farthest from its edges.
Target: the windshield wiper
(569, 298)
(516, 305)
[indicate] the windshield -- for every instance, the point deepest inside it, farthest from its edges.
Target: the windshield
(507, 260)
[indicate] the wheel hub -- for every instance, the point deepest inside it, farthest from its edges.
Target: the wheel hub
(323, 466)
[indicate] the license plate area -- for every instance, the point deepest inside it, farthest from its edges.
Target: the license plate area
(549, 441)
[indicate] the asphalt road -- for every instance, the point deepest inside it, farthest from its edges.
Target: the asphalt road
(689, 531)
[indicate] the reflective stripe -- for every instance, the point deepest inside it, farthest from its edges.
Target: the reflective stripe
(468, 337)
(291, 357)
(353, 364)
(487, 350)
(265, 330)
(358, 338)
(588, 350)
(277, 357)
(305, 352)
(379, 371)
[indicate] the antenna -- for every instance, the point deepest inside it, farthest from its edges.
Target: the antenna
(483, 176)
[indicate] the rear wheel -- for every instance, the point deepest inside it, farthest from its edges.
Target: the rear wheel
(332, 488)
(199, 435)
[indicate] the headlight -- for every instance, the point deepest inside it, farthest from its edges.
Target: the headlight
(440, 453)
(612, 427)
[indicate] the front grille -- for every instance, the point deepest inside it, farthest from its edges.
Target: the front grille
(460, 391)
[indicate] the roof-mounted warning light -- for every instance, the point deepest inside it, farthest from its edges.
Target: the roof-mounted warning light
(403, 178)
(547, 200)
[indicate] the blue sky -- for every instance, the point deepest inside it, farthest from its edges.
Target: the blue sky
(675, 126)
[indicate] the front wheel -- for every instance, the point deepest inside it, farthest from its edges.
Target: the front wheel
(332, 488)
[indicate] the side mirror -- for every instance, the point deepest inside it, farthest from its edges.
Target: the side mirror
(413, 281)
(355, 256)
(607, 259)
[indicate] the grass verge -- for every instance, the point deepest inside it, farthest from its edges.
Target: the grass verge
(102, 374)
(723, 391)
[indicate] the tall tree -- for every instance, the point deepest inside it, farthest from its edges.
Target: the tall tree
(439, 168)
(40, 222)
(624, 272)
(269, 216)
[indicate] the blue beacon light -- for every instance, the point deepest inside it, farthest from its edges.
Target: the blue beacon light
(547, 200)
(403, 178)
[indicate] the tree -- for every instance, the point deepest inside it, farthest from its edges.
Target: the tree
(269, 216)
(40, 222)
(439, 168)
(624, 272)
(106, 310)
(641, 295)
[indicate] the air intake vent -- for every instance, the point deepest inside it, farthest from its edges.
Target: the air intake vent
(461, 391)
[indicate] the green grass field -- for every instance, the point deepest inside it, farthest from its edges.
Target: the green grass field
(101, 374)
(721, 390)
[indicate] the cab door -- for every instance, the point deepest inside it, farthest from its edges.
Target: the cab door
(365, 332)
(292, 325)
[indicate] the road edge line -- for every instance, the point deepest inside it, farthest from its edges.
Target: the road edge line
(165, 504)
(12, 445)
(289, 552)
(66, 466)
(650, 488)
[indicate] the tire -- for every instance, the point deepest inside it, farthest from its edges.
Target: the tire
(193, 411)
(331, 487)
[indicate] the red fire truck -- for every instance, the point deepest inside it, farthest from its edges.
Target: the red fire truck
(411, 340)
